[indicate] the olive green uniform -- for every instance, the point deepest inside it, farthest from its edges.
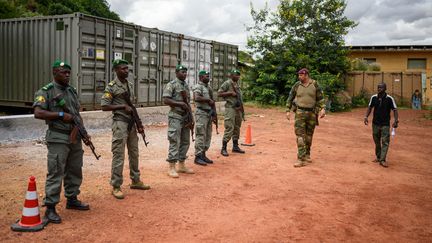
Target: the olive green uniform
(308, 100)
(123, 133)
(178, 134)
(232, 116)
(203, 119)
(65, 159)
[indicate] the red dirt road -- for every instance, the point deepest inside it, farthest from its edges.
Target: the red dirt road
(255, 197)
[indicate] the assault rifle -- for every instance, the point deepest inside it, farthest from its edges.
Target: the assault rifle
(189, 122)
(135, 116)
(239, 103)
(78, 126)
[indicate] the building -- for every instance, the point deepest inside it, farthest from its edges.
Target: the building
(402, 59)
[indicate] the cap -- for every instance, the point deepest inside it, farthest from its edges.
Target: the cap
(119, 62)
(180, 67)
(203, 72)
(61, 64)
(235, 71)
(303, 71)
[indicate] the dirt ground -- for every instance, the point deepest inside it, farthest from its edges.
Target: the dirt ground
(255, 197)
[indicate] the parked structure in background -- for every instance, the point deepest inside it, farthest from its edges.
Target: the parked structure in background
(28, 46)
(404, 68)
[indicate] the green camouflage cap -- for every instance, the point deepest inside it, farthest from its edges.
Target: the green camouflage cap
(203, 72)
(119, 62)
(180, 67)
(235, 71)
(61, 64)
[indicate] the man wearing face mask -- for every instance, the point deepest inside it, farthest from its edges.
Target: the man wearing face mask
(65, 156)
(176, 94)
(124, 130)
(383, 104)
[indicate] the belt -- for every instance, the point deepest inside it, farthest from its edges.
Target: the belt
(206, 110)
(178, 112)
(305, 109)
(54, 129)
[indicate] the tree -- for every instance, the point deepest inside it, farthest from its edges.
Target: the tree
(300, 33)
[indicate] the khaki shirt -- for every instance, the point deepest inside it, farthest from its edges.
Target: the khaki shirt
(227, 86)
(44, 98)
(113, 95)
(205, 91)
(172, 90)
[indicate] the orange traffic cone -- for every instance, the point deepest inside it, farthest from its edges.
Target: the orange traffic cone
(30, 220)
(248, 139)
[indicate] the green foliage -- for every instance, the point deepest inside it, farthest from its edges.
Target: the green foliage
(301, 33)
(28, 8)
(360, 100)
(362, 65)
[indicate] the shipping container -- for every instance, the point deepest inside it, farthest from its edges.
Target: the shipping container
(29, 46)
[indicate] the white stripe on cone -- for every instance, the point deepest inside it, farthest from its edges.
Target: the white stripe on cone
(29, 212)
(31, 195)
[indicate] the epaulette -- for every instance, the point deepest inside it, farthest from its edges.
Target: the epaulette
(111, 83)
(73, 89)
(48, 86)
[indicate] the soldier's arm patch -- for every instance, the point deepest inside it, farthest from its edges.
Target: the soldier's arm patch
(107, 95)
(40, 100)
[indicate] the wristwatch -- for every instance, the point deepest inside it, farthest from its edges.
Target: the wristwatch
(61, 115)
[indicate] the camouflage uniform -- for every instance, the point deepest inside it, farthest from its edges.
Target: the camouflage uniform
(232, 116)
(123, 133)
(65, 159)
(203, 119)
(178, 135)
(306, 100)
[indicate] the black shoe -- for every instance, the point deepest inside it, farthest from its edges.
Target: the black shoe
(383, 163)
(236, 148)
(224, 151)
(52, 216)
(199, 160)
(74, 203)
(207, 160)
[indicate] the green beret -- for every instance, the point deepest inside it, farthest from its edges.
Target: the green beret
(203, 72)
(180, 67)
(235, 71)
(119, 62)
(61, 64)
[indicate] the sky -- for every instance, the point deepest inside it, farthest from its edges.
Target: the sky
(380, 22)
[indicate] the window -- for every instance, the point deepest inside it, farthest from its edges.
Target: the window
(369, 60)
(416, 63)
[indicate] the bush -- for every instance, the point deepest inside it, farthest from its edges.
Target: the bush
(360, 100)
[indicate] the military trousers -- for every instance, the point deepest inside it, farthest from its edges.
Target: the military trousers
(122, 137)
(203, 131)
(65, 163)
(179, 140)
(232, 124)
(381, 137)
(304, 126)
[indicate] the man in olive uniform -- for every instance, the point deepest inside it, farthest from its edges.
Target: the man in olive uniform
(230, 92)
(124, 131)
(203, 97)
(178, 133)
(306, 97)
(65, 157)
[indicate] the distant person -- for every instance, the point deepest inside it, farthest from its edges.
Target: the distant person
(307, 99)
(65, 155)
(382, 105)
(416, 100)
(124, 130)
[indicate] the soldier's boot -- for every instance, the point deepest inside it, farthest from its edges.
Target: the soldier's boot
(236, 148)
(51, 215)
(224, 151)
(299, 163)
(183, 169)
(139, 185)
(172, 171)
(74, 203)
(207, 160)
(117, 193)
(199, 160)
(308, 158)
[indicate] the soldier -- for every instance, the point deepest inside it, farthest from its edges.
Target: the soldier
(174, 95)
(382, 105)
(234, 113)
(309, 100)
(65, 156)
(203, 97)
(124, 131)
